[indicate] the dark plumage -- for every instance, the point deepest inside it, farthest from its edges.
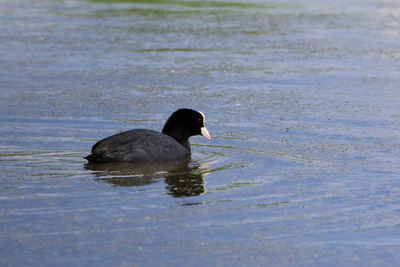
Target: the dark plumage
(141, 145)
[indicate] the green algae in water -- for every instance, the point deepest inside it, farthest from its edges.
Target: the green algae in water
(175, 50)
(193, 4)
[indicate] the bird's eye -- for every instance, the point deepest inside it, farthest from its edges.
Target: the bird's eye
(199, 119)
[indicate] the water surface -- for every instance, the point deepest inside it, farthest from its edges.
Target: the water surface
(301, 98)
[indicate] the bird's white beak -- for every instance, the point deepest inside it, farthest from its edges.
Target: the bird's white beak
(205, 133)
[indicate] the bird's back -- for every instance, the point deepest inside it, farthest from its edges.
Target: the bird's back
(139, 145)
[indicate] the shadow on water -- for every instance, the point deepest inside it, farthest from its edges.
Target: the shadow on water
(182, 179)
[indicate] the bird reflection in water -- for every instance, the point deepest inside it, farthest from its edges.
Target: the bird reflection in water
(183, 179)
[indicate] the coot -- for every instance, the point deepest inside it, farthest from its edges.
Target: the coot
(141, 145)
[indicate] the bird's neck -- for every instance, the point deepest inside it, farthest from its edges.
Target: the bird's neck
(185, 143)
(178, 136)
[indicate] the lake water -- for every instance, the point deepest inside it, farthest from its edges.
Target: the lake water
(302, 99)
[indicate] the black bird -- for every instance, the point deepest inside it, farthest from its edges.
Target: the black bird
(141, 145)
